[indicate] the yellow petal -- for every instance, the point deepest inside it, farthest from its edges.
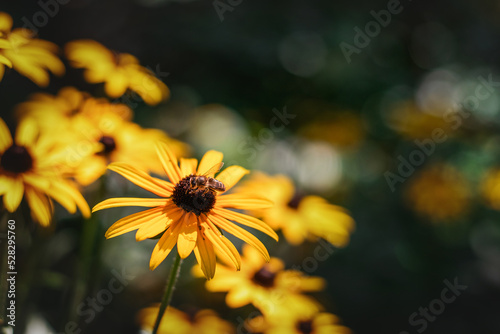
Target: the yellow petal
(205, 255)
(116, 84)
(5, 61)
(5, 22)
(164, 246)
(222, 243)
(239, 297)
(26, 132)
(243, 202)
(247, 221)
(188, 166)
(231, 175)
(14, 195)
(153, 227)
(169, 162)
(133, 222)
(240, 233)
(129, 201)
(41, 208)
(142, 179)
(5, 137)
(188, 235)
(209, 160)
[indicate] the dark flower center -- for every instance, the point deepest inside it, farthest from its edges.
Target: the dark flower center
(305, 327)
(16, 159)
(264, 277)
(295, 201)
(197, 200)
(109, 144)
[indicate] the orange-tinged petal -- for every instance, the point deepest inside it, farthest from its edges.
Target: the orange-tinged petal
(5, 137)
(240, 233)
(26, 132)
(238, 297)
(14, 195)
(41, 208)
(130, 201)
(188, 235)
(169, 162)
(142, 179)
(209, 160)
(231, 175)
(247, 221)
(133, 222)
(153, 227)
(243, 202)
(188, 166)
(205, 255)
(222, 243)
(164, 246)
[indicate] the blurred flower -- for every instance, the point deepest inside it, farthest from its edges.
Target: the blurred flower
(191, 217)
(413, 123)
(299, 217)
(343, 130)
(490, 188)
(31, 57)
(439, 193)
(270, 288)
(98, 121)
(118, 71)
(35, 166)
(178, 322)
(320, 323)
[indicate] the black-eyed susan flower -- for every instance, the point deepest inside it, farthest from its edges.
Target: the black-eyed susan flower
(178, 322)
(320, 323)
(268, 286)
(187, 215)
(439, 193)
(97, 121)
(299, 217)
(490, 188)
(33, 166)
(118, 71)
(31, 57)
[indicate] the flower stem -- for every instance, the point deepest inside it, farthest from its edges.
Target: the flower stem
(167, 297)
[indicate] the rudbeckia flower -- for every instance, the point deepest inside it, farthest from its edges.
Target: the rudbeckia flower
(178, 322)
(320, 323)
(191, 216)
(118, 71)
(34, 167)
(439, 193)
(268, 286)
(490, 188)
(299, 217)
(97, 121)
(31, 57)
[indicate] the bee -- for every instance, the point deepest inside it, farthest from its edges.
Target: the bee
(206, 182)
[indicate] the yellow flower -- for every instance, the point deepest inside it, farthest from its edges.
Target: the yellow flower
(118, 71)
(35, 167)
(439, 193)
(98, 121)
(31, 57)
(298, 217)
(320, 323)
(413, 123)
(490, 188)
(178, 322)
(191, 217)
(270, 288)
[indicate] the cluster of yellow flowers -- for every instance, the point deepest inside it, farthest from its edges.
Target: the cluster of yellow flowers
(65, 142)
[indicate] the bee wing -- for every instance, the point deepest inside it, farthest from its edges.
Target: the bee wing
(214, 169)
